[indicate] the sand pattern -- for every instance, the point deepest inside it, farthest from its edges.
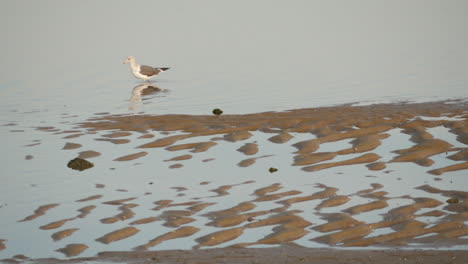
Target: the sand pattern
(365, 126)
(330, 137)
(407, 223)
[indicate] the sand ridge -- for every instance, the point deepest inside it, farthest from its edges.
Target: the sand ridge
(340, 229)
(365, 126)
(361, 129)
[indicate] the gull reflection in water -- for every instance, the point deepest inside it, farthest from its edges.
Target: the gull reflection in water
(141, 91)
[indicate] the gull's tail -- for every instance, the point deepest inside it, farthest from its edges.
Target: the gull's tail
(163, 69)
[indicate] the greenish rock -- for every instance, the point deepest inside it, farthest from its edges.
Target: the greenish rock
(79, 164)
(271, 170)
(453, 200)
(217, 111)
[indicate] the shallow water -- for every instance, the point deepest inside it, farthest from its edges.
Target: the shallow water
(62, 64)
(215, 177)
(242, 57)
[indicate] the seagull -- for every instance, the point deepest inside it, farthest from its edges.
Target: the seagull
(142, 71)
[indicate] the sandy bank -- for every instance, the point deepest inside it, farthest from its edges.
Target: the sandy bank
(365, 126)
(287, 253)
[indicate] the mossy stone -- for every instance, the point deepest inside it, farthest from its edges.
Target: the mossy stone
(271, 170)
(217, 111)
(453, 200)
(79, 164)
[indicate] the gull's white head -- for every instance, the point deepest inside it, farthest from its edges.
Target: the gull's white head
(129, 59)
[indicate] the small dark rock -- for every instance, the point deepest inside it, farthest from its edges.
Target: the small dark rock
(217, 111)
(271, 170)
(79, 164)
(20, 257)
(452, 200)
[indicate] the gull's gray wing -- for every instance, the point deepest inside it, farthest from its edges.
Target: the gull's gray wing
(148, 70)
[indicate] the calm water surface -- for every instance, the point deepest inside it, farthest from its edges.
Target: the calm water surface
(242, 56)
(62, 63)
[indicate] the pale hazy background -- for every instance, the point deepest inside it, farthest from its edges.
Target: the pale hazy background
(242, 56)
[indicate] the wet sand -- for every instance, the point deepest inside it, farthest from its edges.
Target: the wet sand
(364, 128)
(341, 228)
(287, 253)
(41, 210)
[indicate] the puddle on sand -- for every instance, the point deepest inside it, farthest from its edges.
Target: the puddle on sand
(134, 200)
